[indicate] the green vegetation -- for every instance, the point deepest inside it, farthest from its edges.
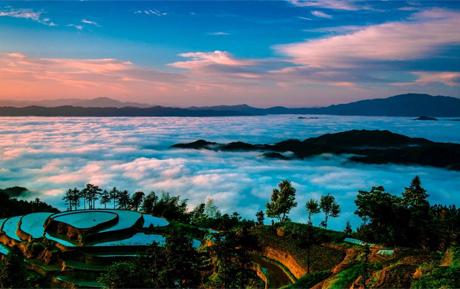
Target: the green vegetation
(309, 280)
(10, 206)
(13, 272)
(92, 248)
(408, 220)
(282, 201)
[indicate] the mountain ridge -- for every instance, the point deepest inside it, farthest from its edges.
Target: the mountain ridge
(407, 105)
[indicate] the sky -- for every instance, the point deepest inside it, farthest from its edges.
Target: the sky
(263, 53)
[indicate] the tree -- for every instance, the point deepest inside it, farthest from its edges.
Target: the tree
(229, 257)
(348, 230)
(68, 199)
(415, 195)
(123, 199)
(149, 202)
(211, 210)
(105, 198)
(415, 199)
(75, 198)
(136, 200)
(329, 207)
(167, 206)
(114, 193)
(260, 217)
(124, 275)
(282, 201)
(386, 217)
(312, 207)
(183, 262)
(90, 194)
(197, 216)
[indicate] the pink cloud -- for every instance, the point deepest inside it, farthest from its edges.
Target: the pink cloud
(447, 78)
(329, 4)
(415, 38)
(203, 59)
(24, 76)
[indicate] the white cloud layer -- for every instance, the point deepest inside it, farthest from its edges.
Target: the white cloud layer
(49, 155)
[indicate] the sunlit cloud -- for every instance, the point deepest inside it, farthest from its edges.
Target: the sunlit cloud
(29, 14)
(321, 14)
(48, 77)
(416, 38)
(328, 4)
(202, 59)
(89, 22)
(447, 78)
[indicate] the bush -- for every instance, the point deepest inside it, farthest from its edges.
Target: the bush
(442, 277)
(309, 280)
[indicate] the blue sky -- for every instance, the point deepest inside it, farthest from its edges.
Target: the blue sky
(292, 53)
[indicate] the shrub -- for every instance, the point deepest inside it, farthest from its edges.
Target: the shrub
(309, 280)
(441, 277)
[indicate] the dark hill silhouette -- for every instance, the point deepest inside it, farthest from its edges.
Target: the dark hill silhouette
(365, 146)
(409, 105)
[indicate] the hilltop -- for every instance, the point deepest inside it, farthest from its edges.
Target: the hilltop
(364, 146)
(409, 105)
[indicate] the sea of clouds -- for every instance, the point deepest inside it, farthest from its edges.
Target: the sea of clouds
(50, 155)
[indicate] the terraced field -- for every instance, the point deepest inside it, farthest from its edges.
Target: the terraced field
(73, 248)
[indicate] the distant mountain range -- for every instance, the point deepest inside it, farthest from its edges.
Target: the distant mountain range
(410, 105)
(95, 102)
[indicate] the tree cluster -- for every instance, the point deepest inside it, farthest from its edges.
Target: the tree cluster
(10, 206)
(408, 220)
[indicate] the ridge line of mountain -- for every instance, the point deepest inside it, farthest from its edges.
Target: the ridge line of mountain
(362, 146)
(408, 105)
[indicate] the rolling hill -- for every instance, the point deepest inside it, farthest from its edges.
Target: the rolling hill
(407, 105)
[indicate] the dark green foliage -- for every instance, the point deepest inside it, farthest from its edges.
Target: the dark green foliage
(183, 262)
(16, 191)
(13, 207)
(177, 265)
(442, 277)
(167, 206)
(260, 217)
(13, 272)
(348, 230)
(282, 201)
(229, 258)
(90, 194)
(72, 198)
(312, 207)
(329, 207)
(124, 275)
(105, 198)
(309, 280)
(136, 200)
(407, 220)
(123, 199)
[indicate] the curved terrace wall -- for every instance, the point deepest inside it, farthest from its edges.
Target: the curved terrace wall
(286, 259)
